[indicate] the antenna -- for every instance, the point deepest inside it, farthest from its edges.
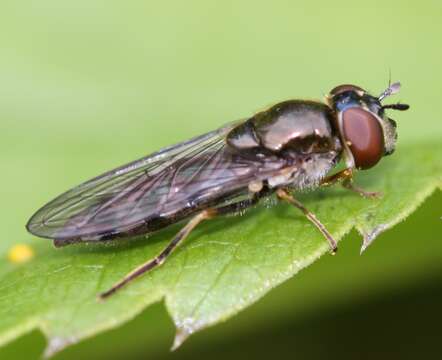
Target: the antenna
(391, 90)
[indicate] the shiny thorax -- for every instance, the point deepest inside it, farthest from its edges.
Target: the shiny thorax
(301, 126)
(299, 133)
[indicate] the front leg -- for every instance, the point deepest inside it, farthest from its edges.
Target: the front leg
(346, 177)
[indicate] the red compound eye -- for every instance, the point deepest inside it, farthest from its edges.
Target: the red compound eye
(364, 136)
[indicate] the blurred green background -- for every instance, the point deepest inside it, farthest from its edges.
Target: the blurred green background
(88, 85)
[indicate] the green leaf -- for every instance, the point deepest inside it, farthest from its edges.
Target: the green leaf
(226, 265)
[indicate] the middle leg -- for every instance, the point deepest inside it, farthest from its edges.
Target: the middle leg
(284, 195)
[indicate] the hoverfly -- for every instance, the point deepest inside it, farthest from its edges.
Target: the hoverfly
(291, 146)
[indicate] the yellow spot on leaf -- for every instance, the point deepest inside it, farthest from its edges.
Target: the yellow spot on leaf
(20, 253)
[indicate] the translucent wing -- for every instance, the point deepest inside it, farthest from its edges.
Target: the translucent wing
(175, 180)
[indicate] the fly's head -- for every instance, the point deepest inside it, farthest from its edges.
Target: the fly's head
(366, 132)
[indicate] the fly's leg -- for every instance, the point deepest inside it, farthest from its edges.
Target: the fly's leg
(159, 260)
(339, 176)
(348, 184)
(346, 177)
(182, 235)
(284, 195)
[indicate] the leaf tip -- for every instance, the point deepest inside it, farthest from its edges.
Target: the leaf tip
(56, 344)
(370, 236)
(181, 335)
(184, 328)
